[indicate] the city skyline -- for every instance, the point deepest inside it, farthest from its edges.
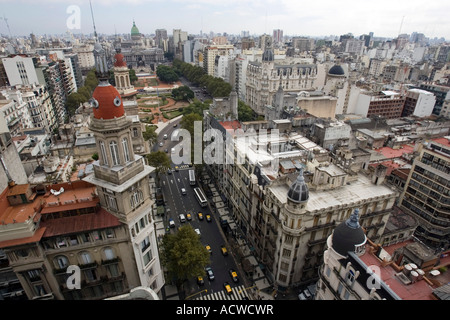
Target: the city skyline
(386, 19)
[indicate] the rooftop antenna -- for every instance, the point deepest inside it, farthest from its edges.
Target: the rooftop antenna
(401, 24)
(7, 24)
(93, 22)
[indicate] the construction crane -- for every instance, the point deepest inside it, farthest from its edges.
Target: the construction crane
(7, 25)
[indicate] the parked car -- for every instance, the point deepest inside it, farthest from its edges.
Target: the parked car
(171, 223)
(198, 232)
(200, 281)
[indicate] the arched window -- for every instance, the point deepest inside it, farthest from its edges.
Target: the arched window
(109, 253)
(61, 262)
(103, 152)
(125, 149)
(85, 257)
(114, 153)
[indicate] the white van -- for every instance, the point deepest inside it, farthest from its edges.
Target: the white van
(173, 150)
(182, 218)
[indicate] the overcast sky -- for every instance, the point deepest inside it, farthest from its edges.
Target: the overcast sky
(385, 18)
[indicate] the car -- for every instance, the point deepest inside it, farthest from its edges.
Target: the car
(208, 217)
(307, 294)
(208, 248)
(166, 150)
(161, 144)
(210, 273)
(171, 223)
(169, 171)
(200, 281)
(182, 218)
(165, 137)
(183, 191)
(227, 287)
(198, 231)
(224, 250)
(173, 150)
(233, 275)
(301, 296)
(175, 125)
(176, 168)
(200, 216)
(188, 216)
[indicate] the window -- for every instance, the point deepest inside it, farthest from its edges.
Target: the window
(61, 262)
(145, 244)
(147, 257)
(103, 152)
(114, 153)
(85, 257)
(350, 278)
(126, 149)
(109, 253)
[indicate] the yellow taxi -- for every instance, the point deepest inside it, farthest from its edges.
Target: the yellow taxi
(227, 287)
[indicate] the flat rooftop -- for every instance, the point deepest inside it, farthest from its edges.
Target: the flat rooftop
(359, 190)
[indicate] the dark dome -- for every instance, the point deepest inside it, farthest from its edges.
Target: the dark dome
(348, 234)
(298, 192)
(336, 70)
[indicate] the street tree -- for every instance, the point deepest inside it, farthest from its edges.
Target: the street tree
(183, 255)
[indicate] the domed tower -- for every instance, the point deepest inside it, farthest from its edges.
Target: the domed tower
(122, 77)
(349, 236)
(336, 86)
(123, 180)
(135, 34)
(298, 193)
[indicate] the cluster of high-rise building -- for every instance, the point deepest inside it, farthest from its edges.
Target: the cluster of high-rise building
(345, 164)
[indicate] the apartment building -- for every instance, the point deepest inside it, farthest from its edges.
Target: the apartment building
(287, 196)
(387, 104)
(356, 268)
(427, 193)
(419, 103)
(265, 77)
(47, 230)
(211, 52)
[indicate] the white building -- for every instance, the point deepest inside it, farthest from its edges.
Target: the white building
(419, 103)
(20, 70)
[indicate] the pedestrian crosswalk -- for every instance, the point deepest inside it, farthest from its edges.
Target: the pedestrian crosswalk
(238, 293)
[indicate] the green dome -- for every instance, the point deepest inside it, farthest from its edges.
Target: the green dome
(135, 30)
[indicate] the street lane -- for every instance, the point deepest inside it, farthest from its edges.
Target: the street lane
(211, 234)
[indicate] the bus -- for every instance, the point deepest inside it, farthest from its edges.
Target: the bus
(192, 177)
(200, 197)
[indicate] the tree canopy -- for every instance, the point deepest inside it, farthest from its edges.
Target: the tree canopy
(166, 74)
(183, 254)
(149, 134)
(183, 93)
(160, 160)
(217, 87)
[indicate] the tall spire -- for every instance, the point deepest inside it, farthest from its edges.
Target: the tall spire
(93, 22)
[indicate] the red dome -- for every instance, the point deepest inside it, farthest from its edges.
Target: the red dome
(119, 60)
(107, 102)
